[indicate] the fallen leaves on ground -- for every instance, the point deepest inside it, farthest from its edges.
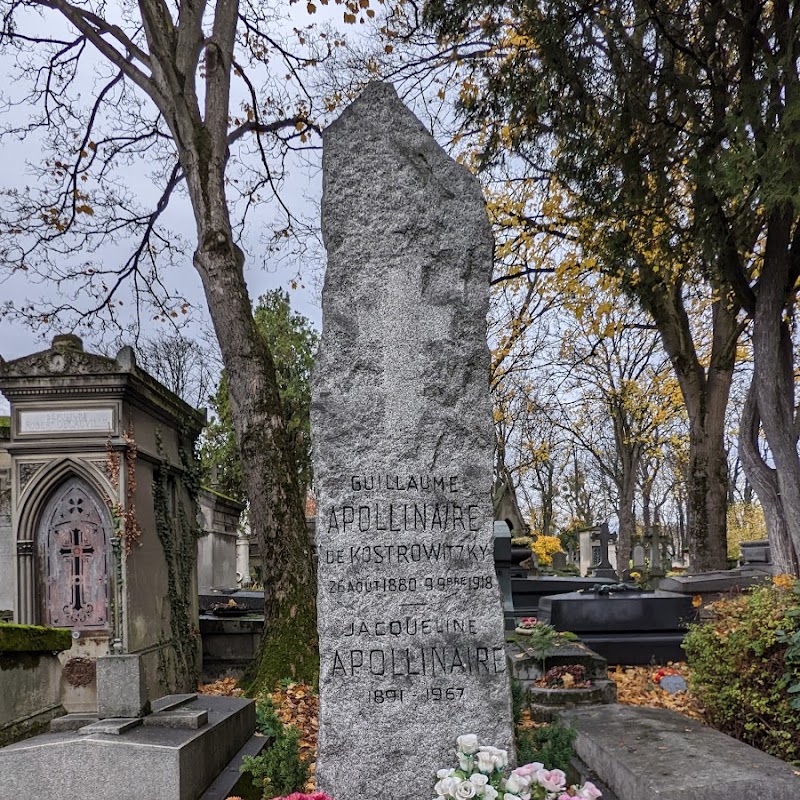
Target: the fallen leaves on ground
(298, 705)
(225, 687)
(295, 704)
(635, 687)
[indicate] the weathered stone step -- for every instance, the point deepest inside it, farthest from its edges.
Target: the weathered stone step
(661, 755)
(178, 718)
(111, 727)
(72, 722)
(172, 701)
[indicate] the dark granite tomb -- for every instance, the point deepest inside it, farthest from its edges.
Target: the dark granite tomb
(629, 627)
(527, 592)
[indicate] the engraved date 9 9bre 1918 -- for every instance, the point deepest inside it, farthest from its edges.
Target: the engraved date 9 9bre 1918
(382, 585)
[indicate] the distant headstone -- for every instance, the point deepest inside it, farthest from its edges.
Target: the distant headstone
(638, 556)
(756, 552)
(412, 648)
(502, 566)
(559, 561)
(604, 568)
(656, 559)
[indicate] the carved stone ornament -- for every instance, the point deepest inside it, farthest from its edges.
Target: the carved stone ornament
(25, 548)
(101, 465)
(66, 357)
(80, 671)
(26, 471)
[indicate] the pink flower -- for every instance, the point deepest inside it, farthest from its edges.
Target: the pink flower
(551, 779)
(528, 770)
(301, 796)
(565, 796)
(588, 791)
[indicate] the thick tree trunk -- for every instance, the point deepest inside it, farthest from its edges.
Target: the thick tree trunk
(773, 377)
(764, 480)
(707, 491)
(705, 393)
(289, 644)
(627, 522)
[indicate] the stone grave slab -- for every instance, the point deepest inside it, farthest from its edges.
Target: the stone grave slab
(156, 762)
(586, 612)
(714, 582)
(72, 722)
(172, 701)
(410, 616)
(662, 755)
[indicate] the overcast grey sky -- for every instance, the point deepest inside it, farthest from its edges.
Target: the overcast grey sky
(301, 191)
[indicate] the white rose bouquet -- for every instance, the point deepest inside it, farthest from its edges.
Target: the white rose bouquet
(481, 773)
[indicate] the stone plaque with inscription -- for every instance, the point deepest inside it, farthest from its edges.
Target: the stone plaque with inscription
(67, 420)
(410, 614)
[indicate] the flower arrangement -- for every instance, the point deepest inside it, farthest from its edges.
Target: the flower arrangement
(527, 624)
(300, 796)
(296, 796)
(481, 774)
(568, 676)
(663, 672)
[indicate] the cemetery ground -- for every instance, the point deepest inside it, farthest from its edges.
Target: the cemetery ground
(643, 686)
(297, 704)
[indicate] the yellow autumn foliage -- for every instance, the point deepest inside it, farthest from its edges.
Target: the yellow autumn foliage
(544, 547)
(745, 524)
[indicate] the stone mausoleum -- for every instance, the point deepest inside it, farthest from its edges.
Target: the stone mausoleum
(98, 517)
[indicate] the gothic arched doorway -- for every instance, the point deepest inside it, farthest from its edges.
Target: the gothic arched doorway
(73, 544)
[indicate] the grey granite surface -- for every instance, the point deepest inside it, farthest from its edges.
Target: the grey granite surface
(410, 615)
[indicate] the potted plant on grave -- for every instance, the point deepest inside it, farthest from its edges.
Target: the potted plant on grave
(230, 609)
(566, 676)
(520, 549)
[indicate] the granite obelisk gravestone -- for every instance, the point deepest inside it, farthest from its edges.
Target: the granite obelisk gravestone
(410, 615)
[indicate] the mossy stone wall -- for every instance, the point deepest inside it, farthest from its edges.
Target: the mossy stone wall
(33, 638)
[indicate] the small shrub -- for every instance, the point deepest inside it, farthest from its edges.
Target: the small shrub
(551, 745)
(267, 721)
(279, 770)
(543, 638)
(544, 547)
(744, 668)
(518, 699)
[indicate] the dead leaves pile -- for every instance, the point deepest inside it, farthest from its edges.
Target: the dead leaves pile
(225, 687)
(298, 705)
(635, 687)
(295, 704)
